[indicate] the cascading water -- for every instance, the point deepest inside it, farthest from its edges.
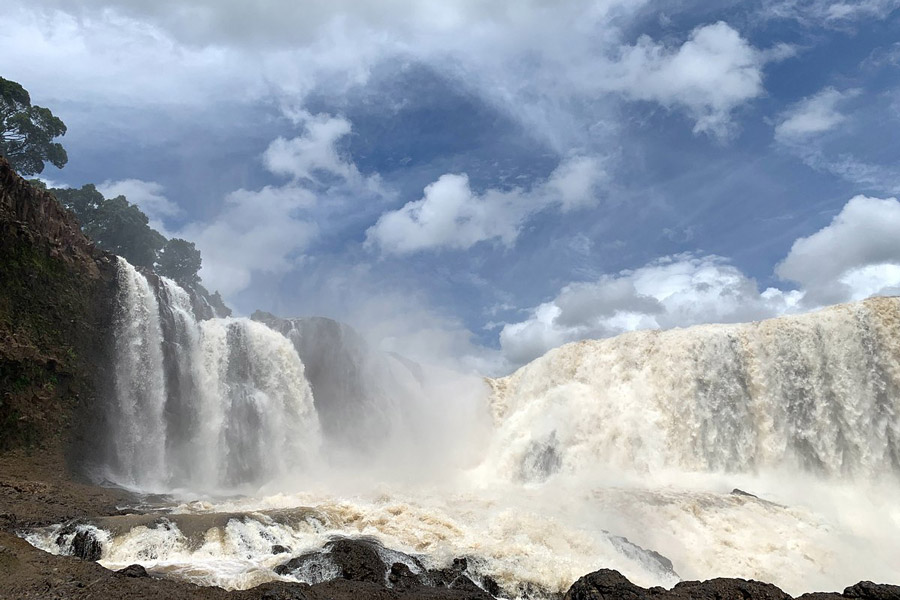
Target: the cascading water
(213, 405)
(640, 437)
(137, 417)
(818, 392)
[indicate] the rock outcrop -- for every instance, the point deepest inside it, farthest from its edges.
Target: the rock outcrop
(612, 585)
(56, 298)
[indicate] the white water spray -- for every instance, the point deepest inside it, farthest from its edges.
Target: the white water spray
(817, 393)
(216, 405)
(641, 436)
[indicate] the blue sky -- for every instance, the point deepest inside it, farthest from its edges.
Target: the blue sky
(482, 181)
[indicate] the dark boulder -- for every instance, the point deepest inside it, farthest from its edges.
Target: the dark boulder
(453, 577)
(726, 589)
(650, 559)
(612, 585)
(85, 545)
(279, 549)
(367, 561)
(605, 584)
(134, 571)
(402, 578)
(866, 590)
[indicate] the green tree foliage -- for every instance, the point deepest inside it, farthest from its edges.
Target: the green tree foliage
(114, 224)
(27, 132)
(180, 260)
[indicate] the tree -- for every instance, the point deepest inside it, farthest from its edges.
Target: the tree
(83, 203)
(116, 225)
(123, 229)
(180, 260)
(27, 132)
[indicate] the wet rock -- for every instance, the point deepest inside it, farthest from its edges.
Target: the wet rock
(358, 560)
(650, 559)
(454, 577)
(366, 561)
(740, 492)
(490, 585)
(541, 460)
(612, 585)
(866, 590)
(86, 546)
(726, 589)
(279, 549)
(402, 578)
(134, 571)
(605, 584)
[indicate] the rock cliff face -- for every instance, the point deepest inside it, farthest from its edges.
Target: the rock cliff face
(56, 300)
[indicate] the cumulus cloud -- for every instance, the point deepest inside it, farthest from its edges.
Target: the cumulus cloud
(451, 215)
(314, 156)
(816, 114)
(674, 291)
(855, 256)
(268, 230)
(148, 195)
(710, 75)
(261, 230)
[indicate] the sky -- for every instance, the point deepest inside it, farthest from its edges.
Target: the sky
(481, 181)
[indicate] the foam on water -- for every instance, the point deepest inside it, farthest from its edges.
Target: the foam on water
(642, 437)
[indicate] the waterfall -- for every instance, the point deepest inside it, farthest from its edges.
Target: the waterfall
(137, 417)
(618, 453)
(203, 405)
(818, 392)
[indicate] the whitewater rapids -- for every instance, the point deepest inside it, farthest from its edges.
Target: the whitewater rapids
(600, 454)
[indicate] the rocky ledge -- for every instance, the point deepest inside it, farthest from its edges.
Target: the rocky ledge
(612, 585)
(356, 568)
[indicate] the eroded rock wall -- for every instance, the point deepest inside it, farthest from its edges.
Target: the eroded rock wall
(57, 292)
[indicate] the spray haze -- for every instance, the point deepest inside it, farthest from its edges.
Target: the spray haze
(617, 452)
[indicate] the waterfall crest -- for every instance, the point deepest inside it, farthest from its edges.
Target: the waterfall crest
(819, 392)
(215, 404)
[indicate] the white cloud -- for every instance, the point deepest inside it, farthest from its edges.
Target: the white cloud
(450, 215)
(855, 256)
(314, 154)
(268, 230)
(710, 75)
(550, 66)
(816, 114)
(260, 230)
(113, 59)
(812, 130)
(829, 12)
(674, 291)
(148, 195)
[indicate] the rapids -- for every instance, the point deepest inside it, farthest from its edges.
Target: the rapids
(618, 453)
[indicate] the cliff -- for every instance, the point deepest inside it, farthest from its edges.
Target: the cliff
(56, 296)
